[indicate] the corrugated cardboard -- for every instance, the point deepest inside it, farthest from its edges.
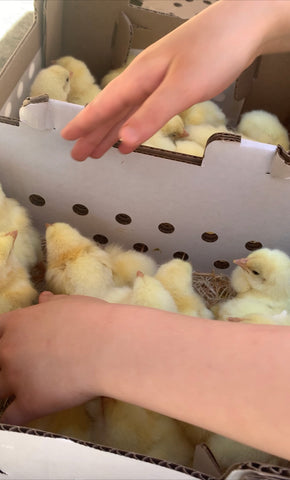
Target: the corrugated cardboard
(239, 190)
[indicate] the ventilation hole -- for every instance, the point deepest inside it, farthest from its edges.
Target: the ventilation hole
(140, 247)
(31, 70)
(37, 200)
(123, 218)
(166, 227)
(80, 209)
(189, 0)
(209, 237)
(208, 2)
(177, 4)
(100, 239)
(181, 255)
(268, 173)
(20, 90)
(221, 264)
(8, 109)
(252, 245)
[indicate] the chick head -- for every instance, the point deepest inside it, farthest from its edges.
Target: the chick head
(53, 80)
(81, 76)
(149, 292)
(265, 270)
(61, 238)
(7, 241)
(174, 128)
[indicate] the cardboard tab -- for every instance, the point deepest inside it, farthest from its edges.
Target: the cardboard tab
(204, 461)
(280, 167)
(122, 40)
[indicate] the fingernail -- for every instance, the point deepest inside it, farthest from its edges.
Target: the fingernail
(128, 135)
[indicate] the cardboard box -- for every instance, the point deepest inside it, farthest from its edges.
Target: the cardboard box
(208, 210)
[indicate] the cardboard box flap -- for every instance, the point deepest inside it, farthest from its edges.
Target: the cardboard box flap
(44, 456)
(280, 167)
(169, 204)
(122, 40)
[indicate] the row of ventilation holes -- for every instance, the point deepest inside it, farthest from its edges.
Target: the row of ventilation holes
(164, 227)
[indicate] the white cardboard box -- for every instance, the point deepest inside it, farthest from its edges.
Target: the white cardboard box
(239, 191)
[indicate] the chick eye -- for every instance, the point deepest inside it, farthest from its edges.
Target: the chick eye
(67, 79)
(255, 272)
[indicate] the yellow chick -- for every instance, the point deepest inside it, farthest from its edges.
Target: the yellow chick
(189, 147)
(126, 264)
(165, 137)
(16, 290)
(74, 422)
(13, 216)
(129, 427)
(227, 452)
(201, 133)
(282, 318)
(83, 88)
(176, 276)
(205, 112)
(262, 283)
(149, 292)
(115, 72)
(53, 80)
(76, 265)
(263, 127)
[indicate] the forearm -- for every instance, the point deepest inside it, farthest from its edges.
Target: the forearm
(221, 376)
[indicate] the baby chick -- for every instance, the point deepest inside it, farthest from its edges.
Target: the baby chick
(129, 427)
(16, 290)
(204, 112)
(13, 216)
(189, 147)
(176, 276)
(53, 80)
(75, 264)
(201, 133)
(115, 72)
(165, 137)
(263, 127)
(74, 422)
(262, 283)
(126, 264)
(83, 88)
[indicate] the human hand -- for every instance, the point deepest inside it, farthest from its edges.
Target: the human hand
(50, 355)
(193, 63)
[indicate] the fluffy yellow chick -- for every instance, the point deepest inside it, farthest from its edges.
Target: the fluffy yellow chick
(282, 318)
(228, 452)
(262, 283)
(204, 112)
(75, 264)
(263, 127)
(16, 290)
(165, 137)
(126, 264)
(74, 422)
(189, 147)
(176, 276)
(14, 216)
(128, 427)
(83, 87)
(115, 72)
(53, 80)
(201, 133)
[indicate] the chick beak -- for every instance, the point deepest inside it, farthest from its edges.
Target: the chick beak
(140, 274)
(184, 134)
(241, 262)
(13, 234)
(47, 225)
(71, 74)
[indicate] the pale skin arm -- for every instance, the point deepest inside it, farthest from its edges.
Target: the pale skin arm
(193, 63)
(226, 377)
